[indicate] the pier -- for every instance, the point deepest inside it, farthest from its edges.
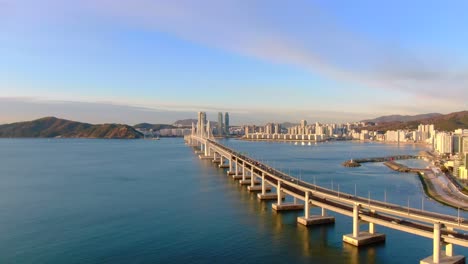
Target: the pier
(357, 162)
(444, 230)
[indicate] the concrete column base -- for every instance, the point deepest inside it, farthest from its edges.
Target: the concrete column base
(258, 188)
(230, 173)
(239, 177)
(364, 238)
(248, 182)
(269, 196)
(316, 220)
(203, 157)
(224, 166)
(287, 207)
(445, 259)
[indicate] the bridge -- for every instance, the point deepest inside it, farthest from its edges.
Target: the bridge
(444, 230)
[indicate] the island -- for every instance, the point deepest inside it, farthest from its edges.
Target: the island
(52, 127)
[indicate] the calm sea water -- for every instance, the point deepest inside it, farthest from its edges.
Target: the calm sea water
(136, 201)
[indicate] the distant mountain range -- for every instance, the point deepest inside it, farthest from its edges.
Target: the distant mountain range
(49, 127)
(185, 122)
(447, 122)
(188, 123)
(154, 127)
(401, 118)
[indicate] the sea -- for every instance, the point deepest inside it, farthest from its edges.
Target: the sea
(155, 201)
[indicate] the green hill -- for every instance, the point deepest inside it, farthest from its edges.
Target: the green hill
(48, 127)
(155, 127)
(447, 122)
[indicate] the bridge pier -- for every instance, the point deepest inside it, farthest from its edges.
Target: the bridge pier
(439, 256)
(221, 163)
(280, 206)
(358, 238)
(252, 179)
(308, 219)
(263, 188)
(240, 172)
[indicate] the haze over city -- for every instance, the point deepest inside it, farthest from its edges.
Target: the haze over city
(159, 61)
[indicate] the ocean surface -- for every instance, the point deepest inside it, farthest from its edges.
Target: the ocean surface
(141, 201)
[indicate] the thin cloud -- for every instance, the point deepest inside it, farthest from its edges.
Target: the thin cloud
(299, 34)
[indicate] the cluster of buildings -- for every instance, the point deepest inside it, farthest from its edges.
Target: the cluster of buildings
(301, 132)
(174, 132)
(424, 133)
(222, 129)
(207, 128)
(453, 146)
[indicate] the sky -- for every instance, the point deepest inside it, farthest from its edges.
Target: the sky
(133, 61)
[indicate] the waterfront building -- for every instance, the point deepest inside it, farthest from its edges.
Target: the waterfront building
(226, 123)
(175, 132)
(395, 136)
(443, 143)
(201, 124)
(277, 129)
(463, 170)
(426, 132)
(220, 128)
(269, 128)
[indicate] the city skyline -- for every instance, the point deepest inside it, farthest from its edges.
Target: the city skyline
(144, 61)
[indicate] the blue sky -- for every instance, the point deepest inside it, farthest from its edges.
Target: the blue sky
(158, 61)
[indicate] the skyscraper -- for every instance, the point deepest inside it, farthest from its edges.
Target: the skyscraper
(201, 123)
(226, 123)
(220, 124)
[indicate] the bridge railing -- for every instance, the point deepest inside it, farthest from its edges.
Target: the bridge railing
(343, 197)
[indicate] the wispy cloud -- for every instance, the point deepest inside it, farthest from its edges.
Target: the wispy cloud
(13, 109)
(297, 33)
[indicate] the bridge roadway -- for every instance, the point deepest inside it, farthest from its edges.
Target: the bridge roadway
(411, 220)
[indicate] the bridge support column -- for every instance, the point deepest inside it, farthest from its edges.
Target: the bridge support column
(252, 178)
(232, 167)
(280, 206)
(221, 163)
(215, 158)
(308, 219)
(269, 196)
(263, 183)
(239, 172)
(263, 188)
(243, 171)
(249, 180)
(358, 238)
(439, 256)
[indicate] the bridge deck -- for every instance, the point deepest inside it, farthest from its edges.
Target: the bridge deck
(386, 214)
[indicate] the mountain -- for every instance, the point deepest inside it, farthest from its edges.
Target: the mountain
(400, 118)
(155, 127)
(48, 127)
(188, 123)
(185, 122)
(447, 122)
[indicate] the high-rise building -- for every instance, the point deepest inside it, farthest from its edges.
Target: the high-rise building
(220, 124)
(444, 143)
(277, 129)
(201, 123)
(226, 123)
(269, 128)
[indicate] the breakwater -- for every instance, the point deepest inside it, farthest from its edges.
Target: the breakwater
(357, 162)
